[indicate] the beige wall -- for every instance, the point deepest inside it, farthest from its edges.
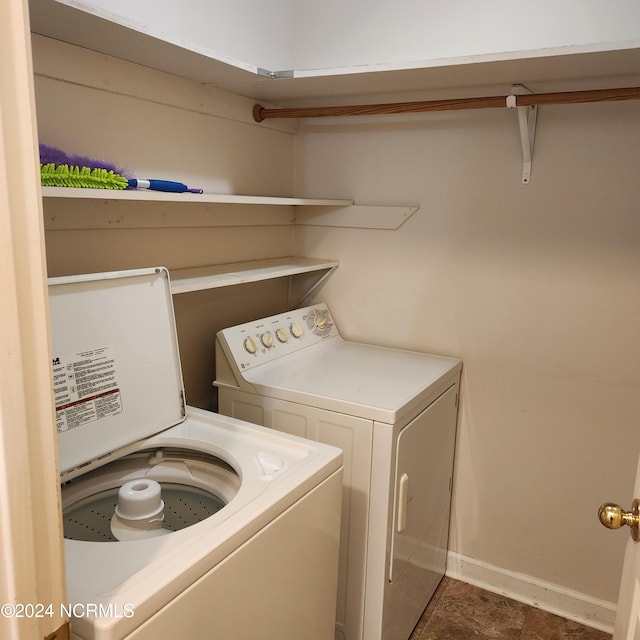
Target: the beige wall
(160, 126)
(536, 288)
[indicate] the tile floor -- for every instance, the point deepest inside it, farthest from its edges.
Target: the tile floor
(460, 611)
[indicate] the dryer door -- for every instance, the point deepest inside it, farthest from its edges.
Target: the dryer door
(420, 528)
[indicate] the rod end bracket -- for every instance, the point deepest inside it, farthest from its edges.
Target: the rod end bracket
(257, 112)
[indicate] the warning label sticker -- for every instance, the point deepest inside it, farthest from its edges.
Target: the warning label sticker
(85, 387)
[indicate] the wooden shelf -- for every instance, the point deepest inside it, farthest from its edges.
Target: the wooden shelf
(76, 22)
(201, 198)
(67, 209)
(226, 275)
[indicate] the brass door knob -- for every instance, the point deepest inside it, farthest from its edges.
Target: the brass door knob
(613, 516)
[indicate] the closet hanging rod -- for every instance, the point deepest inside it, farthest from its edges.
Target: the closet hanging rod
(261, 113)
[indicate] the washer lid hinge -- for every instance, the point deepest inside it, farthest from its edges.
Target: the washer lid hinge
(62, 633)
(527, 117)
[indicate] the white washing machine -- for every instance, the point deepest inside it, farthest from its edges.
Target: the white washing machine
(394, 414)
(178, 522)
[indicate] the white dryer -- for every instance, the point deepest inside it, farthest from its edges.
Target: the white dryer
(178, 522)
(394, 414)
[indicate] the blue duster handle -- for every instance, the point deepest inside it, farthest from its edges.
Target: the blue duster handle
(162, 185)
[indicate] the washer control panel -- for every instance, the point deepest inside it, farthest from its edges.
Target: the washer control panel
(255, 343)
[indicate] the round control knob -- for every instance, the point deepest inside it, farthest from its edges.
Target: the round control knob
(282, 335)
(296, 330)
(320, 320)
(267, 339)
(250, 345)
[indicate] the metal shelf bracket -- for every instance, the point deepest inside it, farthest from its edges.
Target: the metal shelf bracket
(527, 117)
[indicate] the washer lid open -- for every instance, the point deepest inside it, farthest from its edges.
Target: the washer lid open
(116, 365)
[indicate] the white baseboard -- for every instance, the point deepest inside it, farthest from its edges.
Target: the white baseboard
(572, 605)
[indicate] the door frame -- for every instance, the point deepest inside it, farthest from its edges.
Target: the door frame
(31, 541)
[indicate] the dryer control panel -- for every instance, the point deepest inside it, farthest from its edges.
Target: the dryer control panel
(255, 343)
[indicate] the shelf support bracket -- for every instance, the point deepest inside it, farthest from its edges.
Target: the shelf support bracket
(527, 117)
(309, 289)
